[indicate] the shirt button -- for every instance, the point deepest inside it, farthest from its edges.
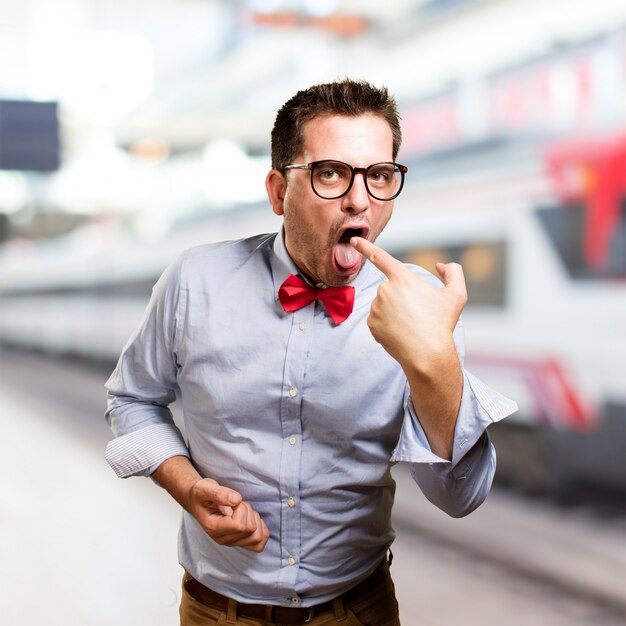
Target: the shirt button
(293, 440)
(293, 392)
(295, 600)
(302, 326)
(291, 502)
(291, 561)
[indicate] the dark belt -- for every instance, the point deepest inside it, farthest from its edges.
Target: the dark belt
(285, 614)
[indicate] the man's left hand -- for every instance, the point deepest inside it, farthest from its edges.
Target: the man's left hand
(412, 320)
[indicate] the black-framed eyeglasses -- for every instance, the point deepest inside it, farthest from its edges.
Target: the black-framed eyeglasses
(333, 179)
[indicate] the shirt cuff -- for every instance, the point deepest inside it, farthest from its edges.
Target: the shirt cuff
(139, 452)
(480, 407)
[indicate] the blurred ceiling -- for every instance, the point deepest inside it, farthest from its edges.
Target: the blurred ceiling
(188, 69)
(193, 70)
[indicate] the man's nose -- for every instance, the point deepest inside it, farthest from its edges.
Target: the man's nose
(357, 199)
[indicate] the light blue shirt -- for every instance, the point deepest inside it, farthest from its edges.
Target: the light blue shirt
(302, 417)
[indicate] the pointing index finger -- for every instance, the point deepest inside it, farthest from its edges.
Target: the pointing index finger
(387, 264)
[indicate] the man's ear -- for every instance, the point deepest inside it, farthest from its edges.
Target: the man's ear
(276, 186)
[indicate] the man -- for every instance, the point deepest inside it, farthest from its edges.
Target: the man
(308, 362)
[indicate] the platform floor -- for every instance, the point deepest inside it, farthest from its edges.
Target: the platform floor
(79, 547)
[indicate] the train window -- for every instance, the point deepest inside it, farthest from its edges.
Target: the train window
(484, 265)
(589, 246)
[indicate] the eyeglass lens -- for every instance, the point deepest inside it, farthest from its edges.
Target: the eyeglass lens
(332, 179)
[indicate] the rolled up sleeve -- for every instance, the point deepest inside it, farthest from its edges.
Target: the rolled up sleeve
(139, 453)
(144, 384)
(459, 485)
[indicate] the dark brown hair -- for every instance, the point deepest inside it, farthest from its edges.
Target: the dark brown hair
(345, 97)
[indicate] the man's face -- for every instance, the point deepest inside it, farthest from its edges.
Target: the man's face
(317, 231)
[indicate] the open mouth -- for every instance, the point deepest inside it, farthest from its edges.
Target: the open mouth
(348, 233)
(345, 258)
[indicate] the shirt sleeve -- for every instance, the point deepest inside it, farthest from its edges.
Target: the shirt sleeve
(143, 385)
(462, 484)
(459, 485)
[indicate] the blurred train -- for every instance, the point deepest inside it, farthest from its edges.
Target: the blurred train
(540, 231)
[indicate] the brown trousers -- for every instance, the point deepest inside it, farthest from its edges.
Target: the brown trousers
(377, 609)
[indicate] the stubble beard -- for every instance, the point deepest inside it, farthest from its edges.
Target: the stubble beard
(313, 258)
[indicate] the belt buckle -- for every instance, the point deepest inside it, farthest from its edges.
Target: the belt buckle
(310, 616)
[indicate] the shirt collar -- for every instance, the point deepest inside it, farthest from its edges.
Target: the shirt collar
(282, 264)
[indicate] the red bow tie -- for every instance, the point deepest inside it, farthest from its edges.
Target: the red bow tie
(294, 294)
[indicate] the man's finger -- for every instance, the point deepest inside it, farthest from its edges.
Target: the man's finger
(221, 526)
(253, 543)
(452, 276)
(245, 516)
(245, 529)
(387, 264)
(221, 496)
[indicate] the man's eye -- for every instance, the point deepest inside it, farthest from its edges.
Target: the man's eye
(380, 176)
(328, 174)
(332, 173)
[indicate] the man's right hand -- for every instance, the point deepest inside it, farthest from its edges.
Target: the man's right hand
(225, 517)
(221, 511)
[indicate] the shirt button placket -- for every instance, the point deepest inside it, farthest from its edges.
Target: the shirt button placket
(294, 373)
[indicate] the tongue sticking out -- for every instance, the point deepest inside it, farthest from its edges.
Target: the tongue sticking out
(346, 256)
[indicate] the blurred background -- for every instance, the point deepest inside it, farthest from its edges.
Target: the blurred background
(131, 131)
